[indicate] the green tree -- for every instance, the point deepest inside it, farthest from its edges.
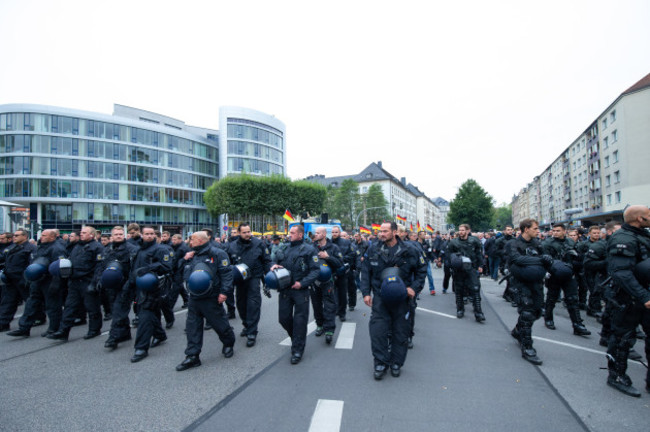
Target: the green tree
(502, 216)
(471, 205)
(372, 199)
(346, 202)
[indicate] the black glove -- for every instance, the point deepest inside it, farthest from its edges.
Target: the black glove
(547, 261)
(266, 291)
(92, 288)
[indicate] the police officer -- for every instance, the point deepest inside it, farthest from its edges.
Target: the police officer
(469, 256)
(628, 251)
(43, 292)
(341, 279)
(86, 258)
(123, 252)
(252, 252)
(578, 269)
(562, 248)
(301, 261)
(595, 269)
(389, 267)
(180, 249)
(356, 263)
(151, 259)
(527, 264)
(17, 257)
(510, 293)
(322, 292)
(427, 250)
(208, 274)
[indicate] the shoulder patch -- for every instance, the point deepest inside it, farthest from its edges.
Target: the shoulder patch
(266, 250)
(315, 258)
(224, 263)
(171, 253)
(421, 260)
(99, 257)
(165, 257)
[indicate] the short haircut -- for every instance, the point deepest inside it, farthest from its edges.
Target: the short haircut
(467, 227)
(398, 228)
(593, 228)
(133, 226)
(243, 224)
(508, 226)
(149, 227)
(165, 232)
(178, 236)
(117, 228)
(208, 231)
(92, 231)
(527, 223)
(300, 228)
(609, 226)
(559, 225)
(23, 231)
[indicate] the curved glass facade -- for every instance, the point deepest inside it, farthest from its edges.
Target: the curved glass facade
(255, 147)
(74, 169)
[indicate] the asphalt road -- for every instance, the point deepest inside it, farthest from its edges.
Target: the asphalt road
(461, 376)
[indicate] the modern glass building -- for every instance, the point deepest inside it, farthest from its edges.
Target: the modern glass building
(68, 168)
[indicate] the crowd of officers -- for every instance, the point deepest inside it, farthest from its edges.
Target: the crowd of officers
(147, 271)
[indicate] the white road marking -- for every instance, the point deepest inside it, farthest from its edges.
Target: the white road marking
(311, 327)
(436, 313)
(327, 416)
(346, 336)
(578, 347)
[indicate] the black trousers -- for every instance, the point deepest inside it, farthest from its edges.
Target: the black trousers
(120, 326)
(531, 299)
(352, 289)
(210, 310)
(341, 283)
(570, 289)
(249, 304)
(293, 315)
(79, 297)
(595, 292)
(393, 319)
(42, 296)
(323, 302)
(12, 293)
(445, 280)
(624, 323)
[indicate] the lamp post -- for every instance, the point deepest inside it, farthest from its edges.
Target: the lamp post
(363, 211)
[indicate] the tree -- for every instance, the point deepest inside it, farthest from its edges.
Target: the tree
(375, 198)
(346, 202)
(471, 205)
(502, 216)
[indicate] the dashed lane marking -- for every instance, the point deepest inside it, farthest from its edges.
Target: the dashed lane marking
(310, 329)
(346, 336)
(327, 416)
(436, 313)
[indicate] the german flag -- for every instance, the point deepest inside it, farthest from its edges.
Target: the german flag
(411, 226)
(376, 227)
(288, 216)
(429, 228)
(419, 227)
(400, 218)
(364, 230)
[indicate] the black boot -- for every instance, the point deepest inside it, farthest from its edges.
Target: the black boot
(478, 313)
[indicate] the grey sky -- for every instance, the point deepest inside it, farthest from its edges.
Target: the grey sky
(439, 91)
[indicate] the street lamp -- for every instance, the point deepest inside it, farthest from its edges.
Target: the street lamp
(363, 211)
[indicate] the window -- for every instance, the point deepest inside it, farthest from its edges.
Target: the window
(617, 197)
(612, 116)
(614, 136)
(606, 161)
(608, 180)
(617, 177)
(605, 123)
(605, 142)
(615, 156)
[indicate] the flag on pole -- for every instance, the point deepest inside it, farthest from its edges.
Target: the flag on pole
(401, 218)
(429, 228)
(364, 230)
(376, 227)
(411, 226)
(419, 228)
(288, 216)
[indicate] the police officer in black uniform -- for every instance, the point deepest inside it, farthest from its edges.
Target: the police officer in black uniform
(211, 265)
(391, 254)
(301, 260)
(341, 279)
(356, 262)
(17, 257)
(527, 264)
(322, 292)
(180, 249)
(469, 255)
(44, 293)
(628, 255)
(562, 248)
(83, 286)
(510, 293)
(123, 252)
(254, 253)
(151, 258)
(595, 269)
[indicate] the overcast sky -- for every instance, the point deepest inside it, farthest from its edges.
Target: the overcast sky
(438, 91)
